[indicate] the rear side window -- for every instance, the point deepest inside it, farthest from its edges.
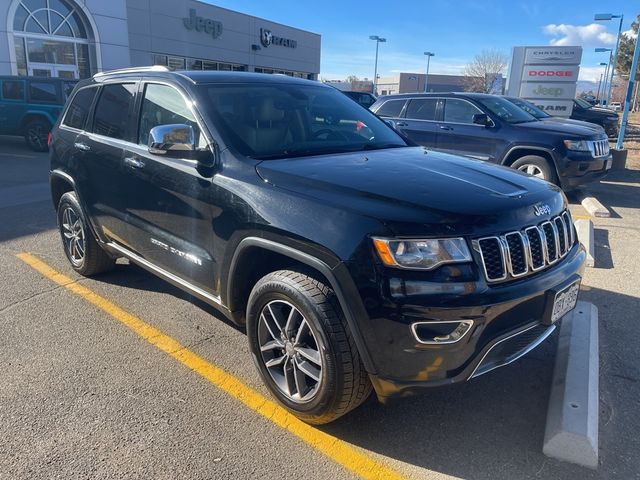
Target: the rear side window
(13, 90)
(459, 111)
(422, 109)
(78, 111)
(112, 111)
(162, 105)
(392, 108)
(43, 92)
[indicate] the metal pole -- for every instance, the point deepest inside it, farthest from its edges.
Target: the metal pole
(604, 85)
(598, 94)
(426, 79)
(375, 71)
(615, 60)
(627, 102)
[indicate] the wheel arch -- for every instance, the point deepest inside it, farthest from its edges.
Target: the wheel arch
(273, 255)
(520, 151)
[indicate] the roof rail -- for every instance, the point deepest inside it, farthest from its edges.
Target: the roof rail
(153, 68)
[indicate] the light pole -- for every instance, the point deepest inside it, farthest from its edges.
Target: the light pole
(426, 79)
(606, 74)
(606, 65)
(603, 17)
(627, 101)
(375, 70)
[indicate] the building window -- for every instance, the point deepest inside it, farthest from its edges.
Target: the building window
(175, 63)
(180, 63)
(289, 73)
(51, 39)
(160, 60)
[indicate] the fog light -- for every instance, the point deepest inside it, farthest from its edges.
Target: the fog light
(441, 332)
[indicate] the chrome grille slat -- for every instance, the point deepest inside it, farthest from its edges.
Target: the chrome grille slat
(516, 254)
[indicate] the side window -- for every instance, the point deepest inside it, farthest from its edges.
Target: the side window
(422, 109)
(392, 108)
(13, 90)
(78, 111)
(162, 105)
(112, 111)
(43, 92)
(459, 111)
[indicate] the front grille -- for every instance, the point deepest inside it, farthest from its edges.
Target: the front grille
(515, 254)
(600, 148)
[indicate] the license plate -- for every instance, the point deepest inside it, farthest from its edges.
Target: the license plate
(565, 301)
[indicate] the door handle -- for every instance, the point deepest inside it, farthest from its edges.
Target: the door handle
(445, 127)
(82, 146)
(401, 124)
(133, 162)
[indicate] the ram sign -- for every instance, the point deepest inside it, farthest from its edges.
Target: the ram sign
(546, 76)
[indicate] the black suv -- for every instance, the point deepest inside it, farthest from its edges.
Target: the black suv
(488, 127)
(354, 260)
(605, 117)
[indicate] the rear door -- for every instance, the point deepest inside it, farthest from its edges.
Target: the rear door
(419, 123)
(12, 106)
(392, 109)
(169, 208)
(457, 133)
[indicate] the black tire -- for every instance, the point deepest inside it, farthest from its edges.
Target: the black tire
(540, 164)
(35, 134)
(344, 383)
(93, 259)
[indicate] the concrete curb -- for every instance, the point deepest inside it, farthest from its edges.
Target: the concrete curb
(591, 204)
(584, 229)
(571, 433)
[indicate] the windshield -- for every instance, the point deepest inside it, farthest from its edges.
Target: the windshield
(582, 103)
(506, 110)
(529, 107)
(268, 121)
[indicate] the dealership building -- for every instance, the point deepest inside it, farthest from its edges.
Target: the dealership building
(77, 38)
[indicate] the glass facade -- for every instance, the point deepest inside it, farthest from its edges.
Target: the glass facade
(178, 63)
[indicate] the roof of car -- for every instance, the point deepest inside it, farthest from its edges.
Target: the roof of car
(202, 77)
(437, 94)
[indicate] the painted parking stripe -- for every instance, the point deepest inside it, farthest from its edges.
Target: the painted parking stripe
(338, 450)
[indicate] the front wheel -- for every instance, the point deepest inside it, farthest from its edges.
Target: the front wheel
(303, 348)
(36, 133)
(536, 166)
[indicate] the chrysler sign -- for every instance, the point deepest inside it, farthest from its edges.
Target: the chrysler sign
(553, 55)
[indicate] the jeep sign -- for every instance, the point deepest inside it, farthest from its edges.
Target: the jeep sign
(546, 76)
(201, 24)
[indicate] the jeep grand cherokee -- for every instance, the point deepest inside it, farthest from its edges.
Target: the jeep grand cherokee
(354, 260)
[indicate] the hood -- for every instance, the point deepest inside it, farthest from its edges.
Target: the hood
(602, 112)
(568, 121)
(414, 185)
(578, 130)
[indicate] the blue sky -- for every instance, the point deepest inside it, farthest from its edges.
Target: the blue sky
(454, 30)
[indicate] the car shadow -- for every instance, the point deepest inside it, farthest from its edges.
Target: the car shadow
(602, 253)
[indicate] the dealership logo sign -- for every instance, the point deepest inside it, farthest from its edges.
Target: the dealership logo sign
(550, 55)
(201, 24)
(543, 91)
(550, 73)
(542, 209)
(267, 38)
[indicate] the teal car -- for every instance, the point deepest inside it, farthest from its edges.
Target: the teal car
(29, 106)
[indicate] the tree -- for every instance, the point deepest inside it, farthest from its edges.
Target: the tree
(484, 73)
(627, 45)
(352, 78)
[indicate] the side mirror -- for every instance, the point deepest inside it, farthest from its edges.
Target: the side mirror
(482, 119)
(175, 140)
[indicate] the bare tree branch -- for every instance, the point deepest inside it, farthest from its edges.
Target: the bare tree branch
(481, 74)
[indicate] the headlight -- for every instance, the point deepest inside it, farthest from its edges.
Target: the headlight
(581, 145)
(421, 254)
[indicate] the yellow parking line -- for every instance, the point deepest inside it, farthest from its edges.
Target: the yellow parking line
(578, 217)
(338, 450)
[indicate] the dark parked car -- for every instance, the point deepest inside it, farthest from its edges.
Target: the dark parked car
(363, 98)
(489, 127)
(540, 114)
(354, 260)
(605, 117)
(29, 106)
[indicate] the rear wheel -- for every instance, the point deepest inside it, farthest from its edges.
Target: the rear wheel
(81, 248)
(536, 166)
(36, 133)
(303, 348)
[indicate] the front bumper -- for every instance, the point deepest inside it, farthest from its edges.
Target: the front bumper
(507, 323)
(580, 168)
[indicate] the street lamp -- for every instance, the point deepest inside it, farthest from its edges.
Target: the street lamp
(378, 40)
(606, 74)
(426, 79)
(603, 17)
(606, 65)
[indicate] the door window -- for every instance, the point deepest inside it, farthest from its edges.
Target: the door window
(422, 109)
(13, 90)
(163, 105)
(459, 111)
(112, 111)
(42, 92)
(78, 111)
(392, 108)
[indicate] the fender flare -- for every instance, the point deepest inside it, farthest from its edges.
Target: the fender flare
(531, 147)
(350, 310)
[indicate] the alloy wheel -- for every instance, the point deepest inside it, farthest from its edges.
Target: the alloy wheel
(290, 351)
(532, 170)
(74, 236)
(36, 136)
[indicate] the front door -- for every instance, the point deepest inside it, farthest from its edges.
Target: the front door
(49, 70)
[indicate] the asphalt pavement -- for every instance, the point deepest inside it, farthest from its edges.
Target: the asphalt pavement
(83, 396)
